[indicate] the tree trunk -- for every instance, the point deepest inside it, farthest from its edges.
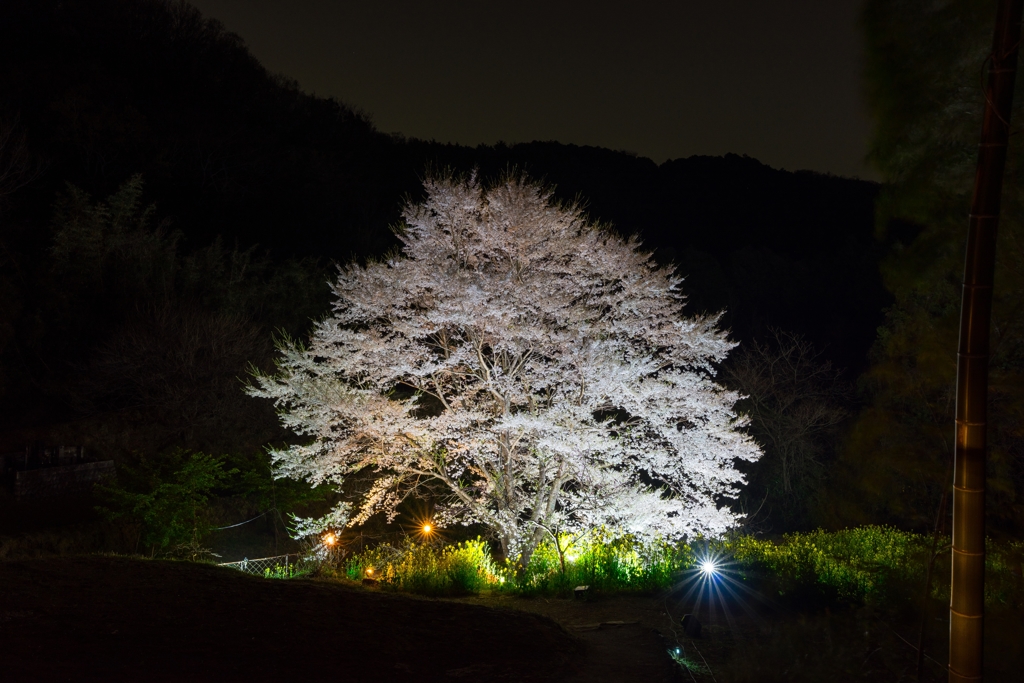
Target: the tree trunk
(967, 598)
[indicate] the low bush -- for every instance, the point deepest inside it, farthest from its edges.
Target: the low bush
(869, 564)
(852, 565)
(874, 563)
(426, 569)
(607, 564)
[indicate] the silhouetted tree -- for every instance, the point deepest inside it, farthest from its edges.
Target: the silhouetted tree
(795, 401)
(18, 166)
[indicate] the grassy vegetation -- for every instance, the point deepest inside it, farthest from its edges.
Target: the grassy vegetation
(606, 564)
(852, 565)
(864, 565)
(873, 564)
(426, 569)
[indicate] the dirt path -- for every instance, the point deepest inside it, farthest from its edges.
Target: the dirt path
(628, 652)
(625, 638)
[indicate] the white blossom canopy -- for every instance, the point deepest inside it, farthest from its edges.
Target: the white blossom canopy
(533, 371)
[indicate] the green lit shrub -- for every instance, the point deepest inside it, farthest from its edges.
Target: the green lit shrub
(875, 563)
(281, 571)
(605, 563)
(851, 565)
(865, 564)
(426, 569)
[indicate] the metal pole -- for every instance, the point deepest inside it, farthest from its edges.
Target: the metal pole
(967, 599)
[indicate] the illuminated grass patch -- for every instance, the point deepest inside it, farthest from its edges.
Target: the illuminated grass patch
(874, 563)
(853, 566)
(606, 565)
(425, 569)
(850, 565)
(609, 565)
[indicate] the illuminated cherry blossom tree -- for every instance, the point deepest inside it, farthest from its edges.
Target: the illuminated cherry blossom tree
(530, 371)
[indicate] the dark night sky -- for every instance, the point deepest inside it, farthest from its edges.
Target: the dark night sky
(778, 80)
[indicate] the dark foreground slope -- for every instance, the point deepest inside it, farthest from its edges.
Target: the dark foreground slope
(115, 619)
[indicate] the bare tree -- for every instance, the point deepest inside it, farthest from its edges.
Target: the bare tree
(794, 400)
(18, 166)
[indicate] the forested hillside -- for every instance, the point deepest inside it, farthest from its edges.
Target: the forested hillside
(167, 204)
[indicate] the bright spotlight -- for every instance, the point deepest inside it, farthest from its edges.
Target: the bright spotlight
(708, 568)
(426, 528)
(330, 539)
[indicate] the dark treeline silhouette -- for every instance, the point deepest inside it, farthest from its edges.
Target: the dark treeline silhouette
(100, 92)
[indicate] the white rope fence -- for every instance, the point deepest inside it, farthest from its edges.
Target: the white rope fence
(277, 567)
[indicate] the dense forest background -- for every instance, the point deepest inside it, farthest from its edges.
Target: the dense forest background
(167, 206)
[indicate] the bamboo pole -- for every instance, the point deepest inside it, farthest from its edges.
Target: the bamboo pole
(967, 599)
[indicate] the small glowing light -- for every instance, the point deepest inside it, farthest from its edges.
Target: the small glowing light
(426, 528)
(707, 567)
(330, 539)
(369, 571)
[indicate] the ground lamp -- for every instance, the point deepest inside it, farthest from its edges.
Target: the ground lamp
(368, 580)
